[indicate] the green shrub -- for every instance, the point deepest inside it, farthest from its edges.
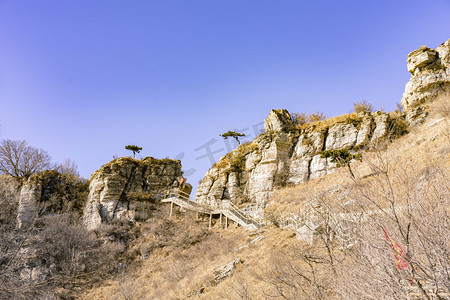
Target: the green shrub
(341, 157)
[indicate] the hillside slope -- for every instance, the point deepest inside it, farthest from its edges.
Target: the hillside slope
(273, 262)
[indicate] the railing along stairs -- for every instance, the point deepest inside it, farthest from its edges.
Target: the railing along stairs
(234, 213)
(226, 207)
(318, 217)
(184, 200)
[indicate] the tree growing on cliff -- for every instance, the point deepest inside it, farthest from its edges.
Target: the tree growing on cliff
(18, 159)
(233, 134)
(341, 157)
(133, 148)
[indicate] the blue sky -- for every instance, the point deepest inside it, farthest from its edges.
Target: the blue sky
(82, 79)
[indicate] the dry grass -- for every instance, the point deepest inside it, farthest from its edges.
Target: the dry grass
(176, 257)
(174, 272)
(441, 106)
(327, 123)
(235, 160)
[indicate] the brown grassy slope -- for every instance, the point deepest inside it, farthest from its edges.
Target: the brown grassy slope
(179, 272)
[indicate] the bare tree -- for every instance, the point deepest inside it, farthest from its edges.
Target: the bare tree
(294, 273)
(70, 169)
(388, 238)
(362, 106)
(403, 239)
(18, 159)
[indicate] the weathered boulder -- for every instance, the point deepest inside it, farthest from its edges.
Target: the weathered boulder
(115, 188)
(279, 120)
(299, 170)
(420, 58)
(382, 122)
(365, 129)
(318, 167)
(261, 182)
(225, 271)
(430, 71)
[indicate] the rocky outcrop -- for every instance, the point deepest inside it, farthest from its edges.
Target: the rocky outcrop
(430, 69)
(30, 195)
(225, 271)
(278, 121)
(287, 154)
(117, 188)
(47, 192)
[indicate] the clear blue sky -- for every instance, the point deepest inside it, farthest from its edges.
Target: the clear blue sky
(82, 79)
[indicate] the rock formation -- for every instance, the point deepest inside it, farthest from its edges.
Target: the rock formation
(288, 154)
(116, 188)
(430, 71)
(47, 192)
(225, 271)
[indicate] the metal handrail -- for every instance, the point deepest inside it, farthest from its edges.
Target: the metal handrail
(245, 216)
(185, 197)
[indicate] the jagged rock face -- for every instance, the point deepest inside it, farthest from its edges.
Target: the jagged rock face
(278, 120)
(113, 187)
(48, 191)
(430, 71)
(30, 195)
(287, 155)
